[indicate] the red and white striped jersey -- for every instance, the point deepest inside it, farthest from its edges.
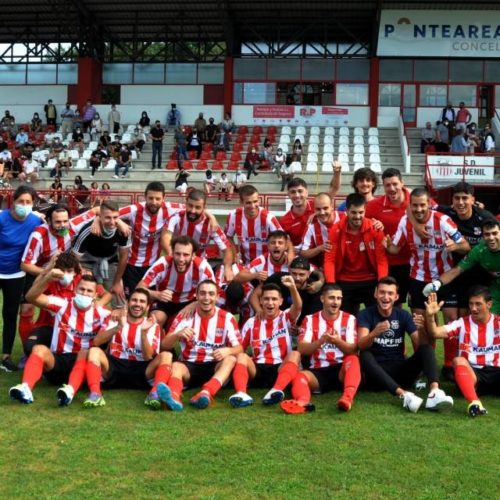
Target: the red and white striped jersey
(200, 231)
(264, 263)
(222, 284)
(127, 344)
(43, 244)
(146, 230)
(269, 339)
(317, 233)
(211, 333)
(74, 328)
(163, 275)
(251, 233)
(315, 325)
(429, 258)
(479, 343)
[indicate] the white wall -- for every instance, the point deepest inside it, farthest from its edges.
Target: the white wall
(434, 114)
(388, 116)
(162, 94)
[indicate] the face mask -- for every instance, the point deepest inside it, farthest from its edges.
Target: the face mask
(63, 231)
(23, 210)
(108, 232)
(67, 279)
(82, 301)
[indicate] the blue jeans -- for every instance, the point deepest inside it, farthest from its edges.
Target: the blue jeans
(118, 166)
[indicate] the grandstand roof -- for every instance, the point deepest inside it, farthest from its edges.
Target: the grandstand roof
(229, 21)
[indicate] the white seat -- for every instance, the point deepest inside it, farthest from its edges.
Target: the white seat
(57, 134)
(51, 163)
(358, 139)
(357, 166)
(69, 137)
(344, 148)
(344, 131)
(86, 137)
(376, 167)
(286, 130)
(358, 158)
(313, 148)
(329, 139)
(328, 158)
(126, 138)
(87, 154)
(81, 164)
(300, 130)
(311, 166)
(312, 157)
(285, 139)
(64, 154)
(315, 130)
(328, 148)
(74, 154)
(111, 164)
(330, 131)
(373, 131)
(374, 148)
(284, 147)
(359, 148)
(327, 166)
(313, 139)
(131, 128)
(374, 158)
(113, 137)
(373, 139)
(300, 137)
(133, 154)
(358, 131)
(343, 139)
(93, 145)
(343, 158)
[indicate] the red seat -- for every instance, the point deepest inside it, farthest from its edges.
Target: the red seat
(205, 155)
(257, 129)
(202, 165)
(238, 148)
(264, 165)
(172, 165)
(272, 130)
(221, 155)
(233, 165)
(173, 155)
(207, 146)
(236, 156)
(187, 165)
(217, 165)
(242, 129)
(192, 155)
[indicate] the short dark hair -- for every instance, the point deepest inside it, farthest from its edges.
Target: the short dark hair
(278, 233)
(328, 287)
(24, 189)
(207, 282)
(355, 200)
(155, 186)
(58, 207)
(490, 224)
(143, 291)
(89, 277)
(480, 291)
(185, 240)
(110, 205)
(365, 173)
(388, 280)
(420, 191)
(197, 195)
(68, 260)
(247, 190)
(297, 182)
(391, 172)
(269, 287)
(463, 187)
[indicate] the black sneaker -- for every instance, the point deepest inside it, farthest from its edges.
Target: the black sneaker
(8, 366)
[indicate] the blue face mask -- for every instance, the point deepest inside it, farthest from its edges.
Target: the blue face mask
(108, 232)
(23, 211)
(82, 301)
(66, 279)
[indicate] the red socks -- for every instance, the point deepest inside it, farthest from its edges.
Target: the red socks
(465, 383)
(212, 386)
(300, 389)
(450, 351)
(352, 377)
(25, 325)
(240, 377)
(176, 386)
(286, 374)
(162, 374)
(94, 377)
(33, 370)
(77, 375)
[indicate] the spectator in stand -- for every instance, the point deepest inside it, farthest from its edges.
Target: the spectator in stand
(4, 179)
(460, 143)
(221, 141)
(30, 170)
(89, 112)
(94, 161)
(448, 118)
(180, 143)
(36, 123)
(56, 189)
(3, 144)
(144, 120)
(488, 140)
(228, 124)
(443, 136)
(364, 182)
(210, 182)
(473, 135)
(297, 149)
(22, 138)
(67, 117)
(238, 181)
(266, 155)
(94, 194)
(77, 140)
(200, 125)
(194, 143)
(96, 127)
(139, 139)
(6, 121)
(278, 161)
(173, 116)
(462, 117)
(429, 138)
(105, 193)
(181, 181)
(211, 132)
(50, 113)
(156, 135)
(114, 120)
(286, 175)
(223, 186)
(251, 163)
(124, 162)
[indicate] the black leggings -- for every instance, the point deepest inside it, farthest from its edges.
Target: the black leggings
(391, 375)
(12, 292)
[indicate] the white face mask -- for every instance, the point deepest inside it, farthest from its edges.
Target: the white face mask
(82, 301)
(66, 279)
(23, 210)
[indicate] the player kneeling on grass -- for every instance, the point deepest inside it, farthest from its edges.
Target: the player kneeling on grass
(209, 341)
(329, 337)
(78, 320)
(381, 333)
(272, 362)
(477, 366)
(133, 359)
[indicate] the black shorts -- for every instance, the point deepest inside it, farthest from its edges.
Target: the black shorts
(355, 293)
(169, 308)
(62, 368)
(328, 378)
(126, 373)
(132, 276)
(265, 376)
(417, 300)
(200, 373)
(29, 279)
(467, 280)
(488, 380)
(401, 273)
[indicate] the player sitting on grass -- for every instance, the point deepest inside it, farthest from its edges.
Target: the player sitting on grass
(209, 341)
(329, 337)
(77, 322)
(477, 366)
(272, 363)
(133, 359)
